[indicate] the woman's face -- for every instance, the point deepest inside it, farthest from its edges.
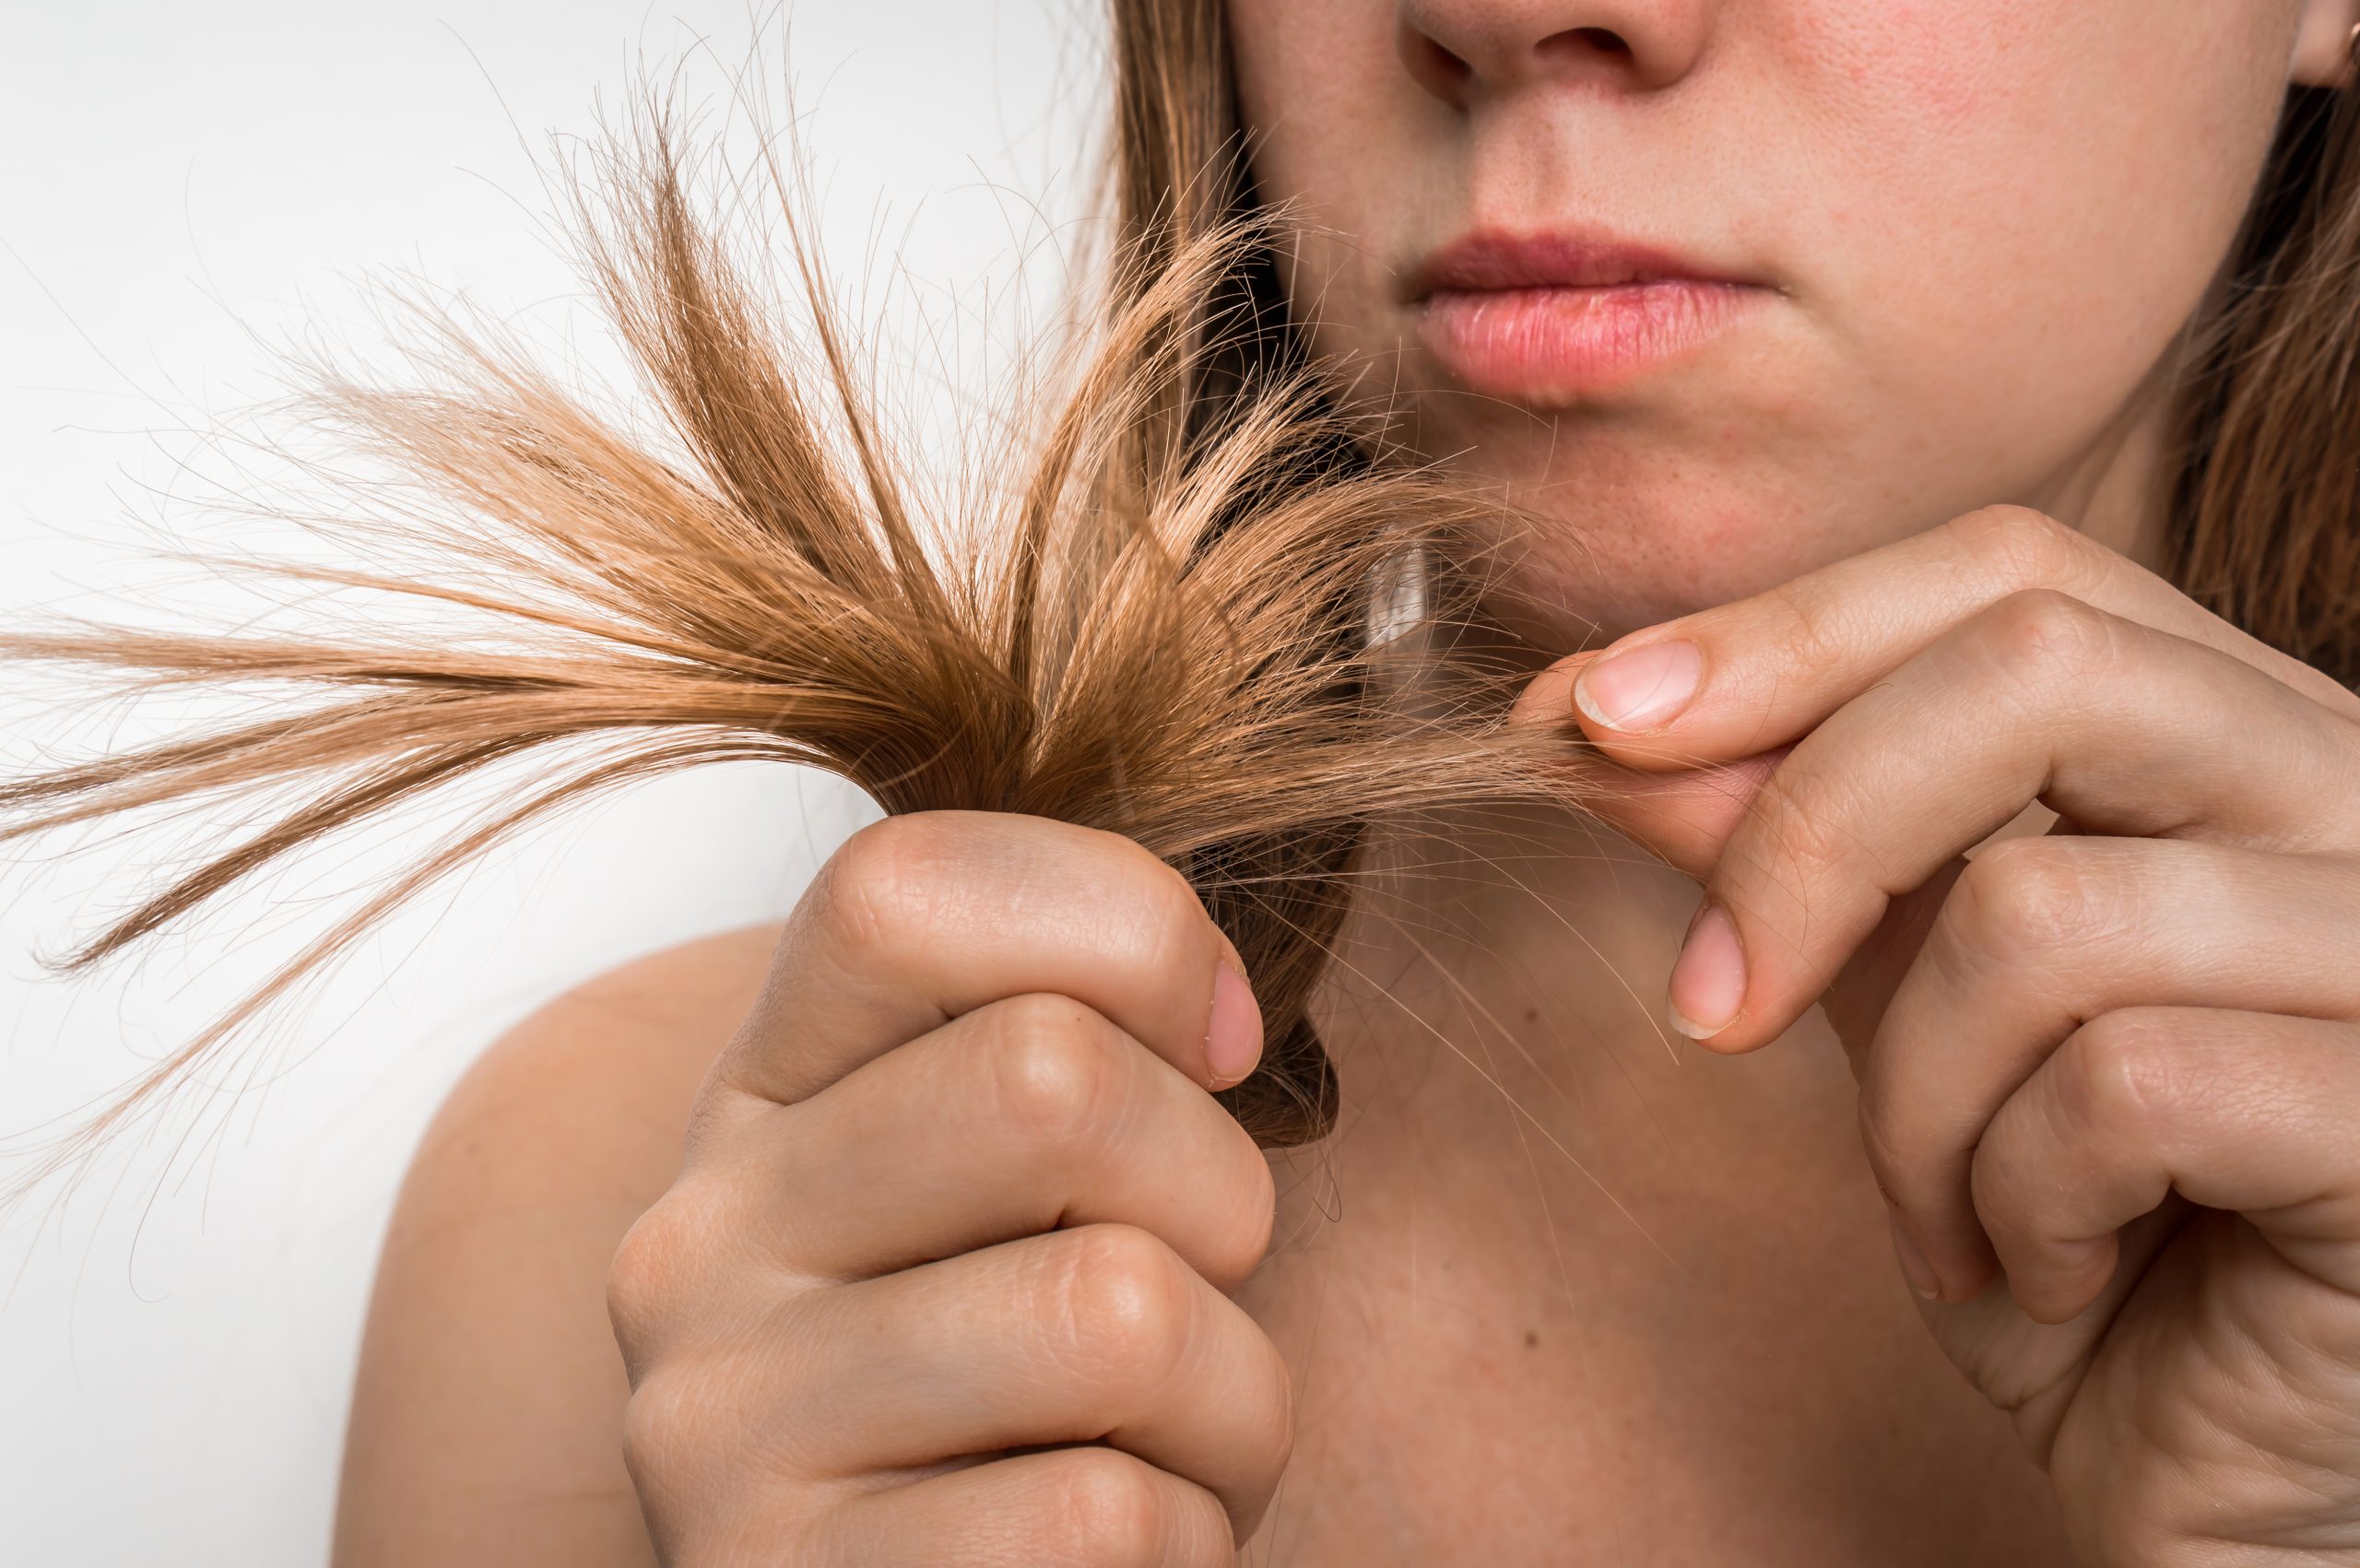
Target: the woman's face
(1737, 289)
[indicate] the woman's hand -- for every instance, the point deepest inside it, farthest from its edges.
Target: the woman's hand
(940, 1280)
(2109, 1077)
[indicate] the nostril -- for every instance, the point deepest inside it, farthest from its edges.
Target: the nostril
(1574, 42)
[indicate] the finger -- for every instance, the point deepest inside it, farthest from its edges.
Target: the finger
(2040, 934)
(1086, 1507)
(2033, 1371)
(2241, 1111)
(2119, 727)
(1765, 670)
(1096, 1335)
(1685, 817)
(918, 919)
(1019, 1117)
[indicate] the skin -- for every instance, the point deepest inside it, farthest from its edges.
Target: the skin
(2100, 161)
(921, 1240)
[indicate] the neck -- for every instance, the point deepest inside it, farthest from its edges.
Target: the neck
(1499, 991)
(1515, 951)
(2117, 491)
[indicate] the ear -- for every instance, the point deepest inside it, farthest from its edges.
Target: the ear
(2323, 40)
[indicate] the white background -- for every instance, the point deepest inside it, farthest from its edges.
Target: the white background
(181, 187)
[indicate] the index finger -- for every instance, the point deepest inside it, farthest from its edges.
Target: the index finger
(922, 918)
(1764, 671)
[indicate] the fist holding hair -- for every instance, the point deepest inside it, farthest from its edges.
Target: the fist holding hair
(941, 1280)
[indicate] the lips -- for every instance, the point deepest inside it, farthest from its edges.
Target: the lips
(1493, 260)
(1553, 318)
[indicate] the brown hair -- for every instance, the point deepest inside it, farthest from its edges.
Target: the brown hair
(2266, 463)
(1159, 622)
(1158, 625)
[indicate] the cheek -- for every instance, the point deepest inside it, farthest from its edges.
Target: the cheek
(2020, 206)
(1371, 167)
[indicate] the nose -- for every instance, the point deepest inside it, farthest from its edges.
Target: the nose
(1462, 51)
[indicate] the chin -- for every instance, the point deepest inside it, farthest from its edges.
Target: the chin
(1604, 559)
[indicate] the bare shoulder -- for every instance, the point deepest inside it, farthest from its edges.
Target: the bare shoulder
(597, 1084)
(487, 1414)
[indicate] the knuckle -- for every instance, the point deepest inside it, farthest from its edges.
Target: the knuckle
(1109, 1507)
(2023, 545)
(1801, 818)
(1141, 874)
(2127, 1070)
(883, 885)
(2044, 630)
(678, 1259)
(1122, 1306)
(1152, 908)
(1057, 1069)
(664, 1421)
(1165, 884)
(705, 1415)
(2021, 896)
(1172, 914)
(651, 1271)
(1808, 638)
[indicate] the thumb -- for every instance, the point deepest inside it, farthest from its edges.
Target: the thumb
(1683, 815)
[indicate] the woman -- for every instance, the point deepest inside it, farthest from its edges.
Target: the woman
(1878, 360)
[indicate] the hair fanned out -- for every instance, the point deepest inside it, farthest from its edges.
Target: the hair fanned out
(1153, 623)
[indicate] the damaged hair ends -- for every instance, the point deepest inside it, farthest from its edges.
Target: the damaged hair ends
(1202, 606)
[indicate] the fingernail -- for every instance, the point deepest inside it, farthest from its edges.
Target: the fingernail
(1233, 1042)
(1920, 1272)
(1641, 689)
(1708, 978)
